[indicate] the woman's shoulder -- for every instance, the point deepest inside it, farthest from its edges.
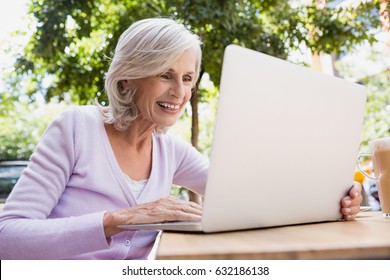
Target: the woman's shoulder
(78, 119)
(86, 113)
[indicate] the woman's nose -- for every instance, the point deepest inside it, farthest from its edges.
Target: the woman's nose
(179, 89)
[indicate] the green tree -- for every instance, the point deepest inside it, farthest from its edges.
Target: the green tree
(74, 37)
(67, 56)
(22, 128)
(377, 117)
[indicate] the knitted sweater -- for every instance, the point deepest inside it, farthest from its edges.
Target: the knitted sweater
(56, 209)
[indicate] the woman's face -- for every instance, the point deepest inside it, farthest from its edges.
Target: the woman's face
(161, 99)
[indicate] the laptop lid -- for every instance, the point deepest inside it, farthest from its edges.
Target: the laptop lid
(285, 144)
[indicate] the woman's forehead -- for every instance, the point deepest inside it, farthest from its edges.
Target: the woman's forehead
(186, 63)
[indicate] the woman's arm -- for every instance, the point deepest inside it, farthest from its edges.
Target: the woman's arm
(25, 230)
(192, 167)
(163, 210)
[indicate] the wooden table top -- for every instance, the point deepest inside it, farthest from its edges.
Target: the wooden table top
(366, 238)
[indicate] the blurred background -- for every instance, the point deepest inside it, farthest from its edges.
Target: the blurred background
(55, 53)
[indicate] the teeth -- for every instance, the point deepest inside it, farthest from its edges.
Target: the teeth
(168, 106)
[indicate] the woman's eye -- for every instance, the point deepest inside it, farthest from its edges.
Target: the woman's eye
(166, 76)
(187, 79)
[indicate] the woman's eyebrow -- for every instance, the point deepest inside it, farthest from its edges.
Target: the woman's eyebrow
(187, 73)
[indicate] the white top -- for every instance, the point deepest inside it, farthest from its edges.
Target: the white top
(136, 186)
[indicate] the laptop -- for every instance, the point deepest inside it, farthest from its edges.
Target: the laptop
(285, 144)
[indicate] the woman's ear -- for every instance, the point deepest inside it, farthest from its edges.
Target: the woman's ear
(125, 84)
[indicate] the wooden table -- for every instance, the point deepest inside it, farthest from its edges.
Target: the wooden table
(366, 238)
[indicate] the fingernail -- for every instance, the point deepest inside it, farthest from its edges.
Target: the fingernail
(348, 202)
(347, 210)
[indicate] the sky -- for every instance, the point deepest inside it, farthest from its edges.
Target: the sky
(11, 19)
(11, 13)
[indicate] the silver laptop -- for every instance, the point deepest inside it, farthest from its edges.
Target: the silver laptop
(284, 149)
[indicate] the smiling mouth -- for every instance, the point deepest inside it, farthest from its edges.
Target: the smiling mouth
(168, 106)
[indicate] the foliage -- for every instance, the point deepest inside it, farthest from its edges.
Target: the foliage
(22, 128)
(74, 38)
(377, 117)
(367, 66)
(68, 54)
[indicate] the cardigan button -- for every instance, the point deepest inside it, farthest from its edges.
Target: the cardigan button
(127, 242)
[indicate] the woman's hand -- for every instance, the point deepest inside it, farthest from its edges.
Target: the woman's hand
(163, 210)
(350, 204)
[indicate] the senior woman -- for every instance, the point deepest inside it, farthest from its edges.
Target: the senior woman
(99, 167)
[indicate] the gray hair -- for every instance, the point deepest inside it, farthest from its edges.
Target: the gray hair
(147, 48)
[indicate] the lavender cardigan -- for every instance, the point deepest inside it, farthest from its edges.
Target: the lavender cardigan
(56, 209)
